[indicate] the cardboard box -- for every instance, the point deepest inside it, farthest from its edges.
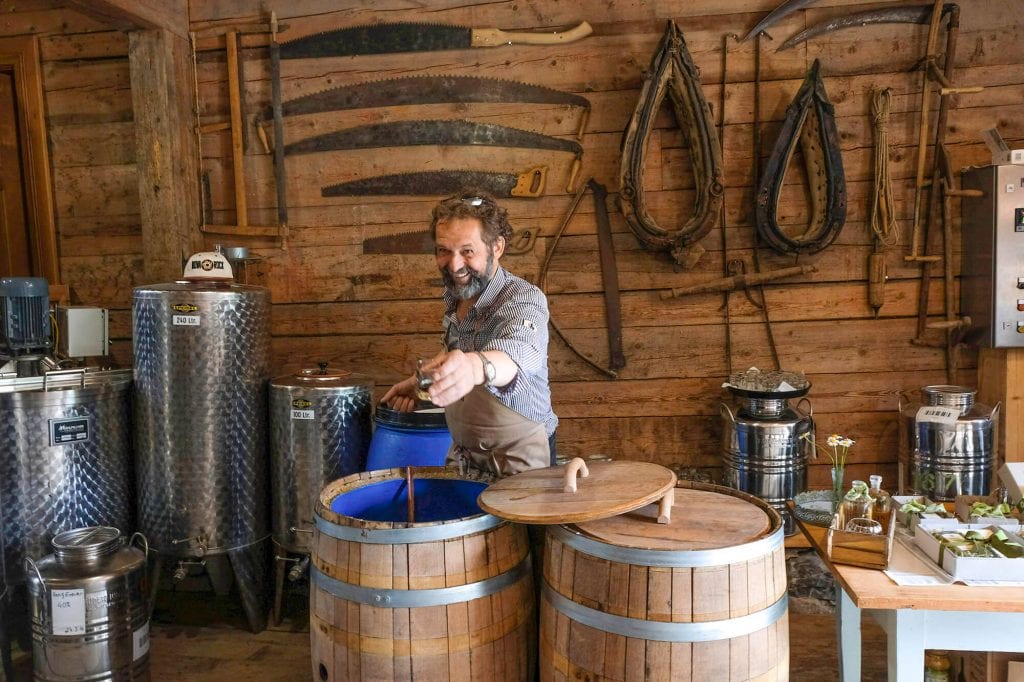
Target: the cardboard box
(963, 511)
(980, 666)
(911, 520)
(1012, 476)
(969, 568)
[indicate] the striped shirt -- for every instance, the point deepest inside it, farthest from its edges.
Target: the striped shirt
(511, 315)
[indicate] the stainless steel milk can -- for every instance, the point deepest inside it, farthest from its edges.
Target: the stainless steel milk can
(90, 615)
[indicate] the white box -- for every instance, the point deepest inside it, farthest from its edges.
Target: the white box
(82, 332)
(911, 520)
(1012, 476)
(969, 568)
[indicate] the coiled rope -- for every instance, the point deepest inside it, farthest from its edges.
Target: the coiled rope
(883, 207)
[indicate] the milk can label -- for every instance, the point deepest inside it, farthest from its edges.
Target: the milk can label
(70, 430)
(68, 608)
(140, 642)
(939, 414)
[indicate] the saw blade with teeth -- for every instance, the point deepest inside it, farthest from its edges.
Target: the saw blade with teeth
(425, 90)
(530, 183)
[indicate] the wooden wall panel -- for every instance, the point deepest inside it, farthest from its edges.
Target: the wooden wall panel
(374, 313)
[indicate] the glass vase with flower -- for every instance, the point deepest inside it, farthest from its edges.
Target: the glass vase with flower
(837, 448)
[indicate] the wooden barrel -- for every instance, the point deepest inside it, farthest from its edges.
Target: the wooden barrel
(702, 598)
(447, 597)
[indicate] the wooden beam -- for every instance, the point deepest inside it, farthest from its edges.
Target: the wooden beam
(167, 153)
(168, 15)
(1001, 380)
(21, 55)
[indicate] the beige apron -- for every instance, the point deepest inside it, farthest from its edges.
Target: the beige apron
(489, 436)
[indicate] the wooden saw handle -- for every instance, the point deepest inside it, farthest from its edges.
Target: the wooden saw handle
(574, 466)
(492, 37)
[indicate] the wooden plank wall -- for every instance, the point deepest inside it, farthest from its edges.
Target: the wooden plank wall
(375, 313)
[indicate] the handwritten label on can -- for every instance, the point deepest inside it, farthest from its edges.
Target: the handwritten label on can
(939, 414)
(68, 609)
(140, 642)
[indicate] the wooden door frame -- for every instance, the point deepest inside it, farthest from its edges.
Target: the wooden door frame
(21, 55)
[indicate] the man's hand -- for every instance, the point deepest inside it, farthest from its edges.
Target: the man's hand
(402, 396)
(455, 374)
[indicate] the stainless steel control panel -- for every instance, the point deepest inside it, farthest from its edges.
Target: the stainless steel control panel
(992, 269)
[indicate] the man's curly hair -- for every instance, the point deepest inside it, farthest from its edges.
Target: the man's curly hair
(473, 203)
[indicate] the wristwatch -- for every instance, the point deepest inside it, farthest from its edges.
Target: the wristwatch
(490, 373)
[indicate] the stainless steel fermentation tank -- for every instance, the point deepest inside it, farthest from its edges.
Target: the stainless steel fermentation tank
(202, 358)
(65, 462)
(947, 443)
(765, 447)
(90, 613)
(321, 422)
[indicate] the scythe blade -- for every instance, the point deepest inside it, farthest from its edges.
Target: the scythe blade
(914, 14)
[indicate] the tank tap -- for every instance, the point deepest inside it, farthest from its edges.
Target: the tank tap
(299, 569)
(180, 572)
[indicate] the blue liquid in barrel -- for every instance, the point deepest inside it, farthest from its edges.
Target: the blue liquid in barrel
(437, 499)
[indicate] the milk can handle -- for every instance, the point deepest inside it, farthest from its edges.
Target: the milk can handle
(29, 562)
(810, 407)
(145, 542)
(724, 410)
(65, 372)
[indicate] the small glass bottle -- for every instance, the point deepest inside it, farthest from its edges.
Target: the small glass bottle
(883, 503)
(856, 504)
(936, 666)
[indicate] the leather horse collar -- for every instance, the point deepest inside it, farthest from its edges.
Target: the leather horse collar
(672, 72)
(810, 119)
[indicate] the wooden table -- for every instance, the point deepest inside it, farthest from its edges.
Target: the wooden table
(915, 618)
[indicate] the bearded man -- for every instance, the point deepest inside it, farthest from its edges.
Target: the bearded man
(492, 376)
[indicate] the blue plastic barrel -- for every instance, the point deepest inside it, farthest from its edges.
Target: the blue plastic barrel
(402, 439)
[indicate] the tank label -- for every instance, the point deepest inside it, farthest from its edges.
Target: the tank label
(301, 409)
(69, 430)
(68, 608)
(939, 414)
(185, 320)
(140, 642)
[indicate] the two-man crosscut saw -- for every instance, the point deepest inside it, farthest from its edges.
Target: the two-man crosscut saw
(418, 37)
(421, 241)
(436, 132)
(528, 184)
(415, 90)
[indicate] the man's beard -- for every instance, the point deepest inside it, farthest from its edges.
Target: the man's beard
(476, 284)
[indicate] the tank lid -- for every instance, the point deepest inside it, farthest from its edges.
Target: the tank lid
(197, 287)
(323, 377)
(776, 385)
(85, 544)
(948, 395)
(431, 418)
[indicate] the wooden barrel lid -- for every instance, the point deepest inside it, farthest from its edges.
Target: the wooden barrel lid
(612, 488)
(701, 519)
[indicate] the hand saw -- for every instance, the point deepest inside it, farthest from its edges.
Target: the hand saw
(422, 242)
(529, 183)
(418, 37)
(437, 132)
(427, 90)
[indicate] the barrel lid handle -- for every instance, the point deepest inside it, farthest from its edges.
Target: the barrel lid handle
(575, 466)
